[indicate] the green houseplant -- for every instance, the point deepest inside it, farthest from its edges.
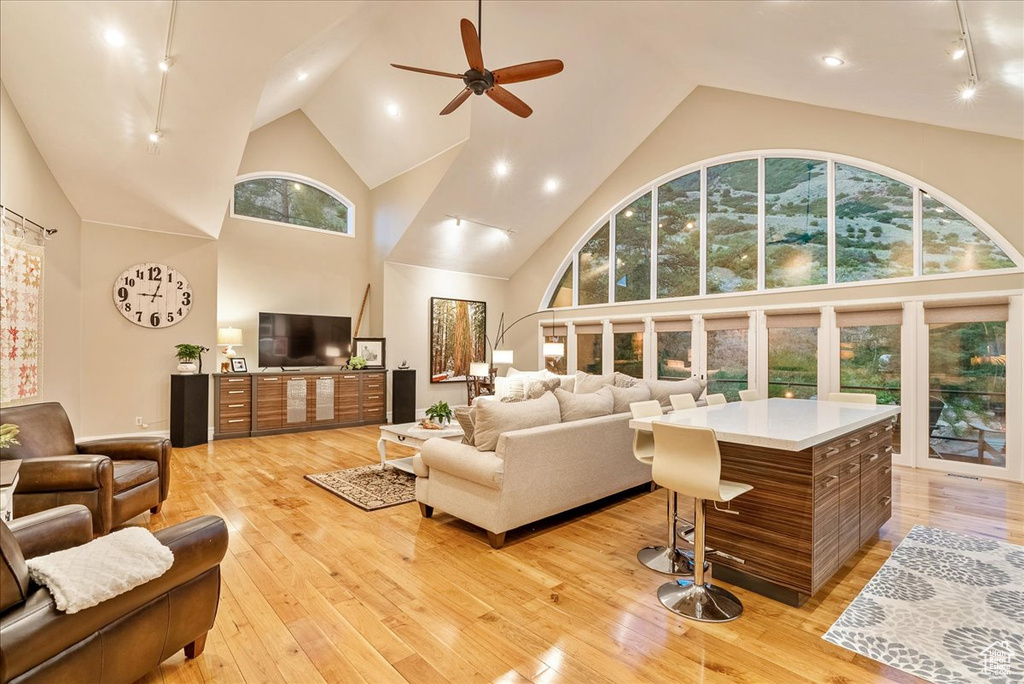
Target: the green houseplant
(356, 362)
(440, 413)
(187, 355)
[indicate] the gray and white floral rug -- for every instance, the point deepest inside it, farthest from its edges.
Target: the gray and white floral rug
(946, 607)
(369, 487)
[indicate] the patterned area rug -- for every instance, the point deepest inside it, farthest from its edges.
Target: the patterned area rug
(947, 607)
(369, 487)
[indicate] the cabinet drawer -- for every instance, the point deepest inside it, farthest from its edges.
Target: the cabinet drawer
(235, 410)
(233, 424)
(373, 414)
(240, 381)
(373, 401)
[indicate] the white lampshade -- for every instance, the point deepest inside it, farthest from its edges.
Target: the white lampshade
(479, 370)
(556, 349)
(229, 336)
(502, 356)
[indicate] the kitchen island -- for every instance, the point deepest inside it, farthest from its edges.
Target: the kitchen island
(822, 478)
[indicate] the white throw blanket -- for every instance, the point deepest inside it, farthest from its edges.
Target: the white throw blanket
(85, 575)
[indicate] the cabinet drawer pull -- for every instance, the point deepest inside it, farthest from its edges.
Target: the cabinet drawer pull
(887, 449)
(236, 391)
(886, 470)
(269, 379)
(237, 420)
(888, 428)
(723, 554)
(832, 452)
(349, 377)
(326, 377)
(235, 405)
(236, 379)
(872, 435)
(831, 480)
(852, 468)
(377, 396)
(885, 500)
(854, 442)
(874, 457)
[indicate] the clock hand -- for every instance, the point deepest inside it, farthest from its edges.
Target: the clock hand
(155, 295)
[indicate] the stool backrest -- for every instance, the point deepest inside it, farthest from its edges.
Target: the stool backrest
(749, 395)
(715, 399)
(682, 401)
(853, 397)
(643, 441)
(687, 460)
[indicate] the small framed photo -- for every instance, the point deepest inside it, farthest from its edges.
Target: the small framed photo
(371, 349)
(238, 365)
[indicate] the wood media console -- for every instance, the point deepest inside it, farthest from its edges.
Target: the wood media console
(270, 403)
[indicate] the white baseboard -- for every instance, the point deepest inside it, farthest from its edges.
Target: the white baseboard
(145, 433)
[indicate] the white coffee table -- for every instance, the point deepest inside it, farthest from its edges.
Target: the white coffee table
(411, 435)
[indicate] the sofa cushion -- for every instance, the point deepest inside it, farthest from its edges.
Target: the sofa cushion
(623, 380)
(494, 418)
(624, 396)
(568, 382)
(519, 381)
(465, 416)
(587, 383)
(588, 405)
(128, 474)
(663, 389)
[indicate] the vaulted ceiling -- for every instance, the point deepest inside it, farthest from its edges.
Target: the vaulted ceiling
(627, 65)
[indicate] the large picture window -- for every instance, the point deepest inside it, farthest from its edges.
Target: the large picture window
(593, 268)
(633, 251)
(732, 227)
(294, 202)
(869, 358)
(796, 222)
(952, 244)
(727, 356)
(679, 237)
(874, 226)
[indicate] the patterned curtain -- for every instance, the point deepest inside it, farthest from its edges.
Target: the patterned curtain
(21, 316)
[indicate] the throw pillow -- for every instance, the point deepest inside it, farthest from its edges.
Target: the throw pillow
(500, 387)
(495, 418)
(568, 382)
(466, 416)
(587, 383)
(623, 380)
(663, 389)
(538, 387)
(624, 396)
(519, 381)
(586, 405)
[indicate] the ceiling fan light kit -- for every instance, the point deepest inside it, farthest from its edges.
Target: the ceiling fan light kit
(479, 80)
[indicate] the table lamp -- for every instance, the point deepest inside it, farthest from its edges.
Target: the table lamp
(228, 338)
(479, 370)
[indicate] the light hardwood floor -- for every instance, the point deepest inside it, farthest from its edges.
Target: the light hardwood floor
(316, 590)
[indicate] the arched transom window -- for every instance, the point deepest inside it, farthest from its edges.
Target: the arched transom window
(292, 200)
(763, 221)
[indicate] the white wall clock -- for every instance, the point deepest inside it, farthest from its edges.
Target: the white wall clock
(152, 295)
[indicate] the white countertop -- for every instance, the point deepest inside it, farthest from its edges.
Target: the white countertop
(789, 424)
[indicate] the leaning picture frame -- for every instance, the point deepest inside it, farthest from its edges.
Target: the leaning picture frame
(238, 365)
(372, 349)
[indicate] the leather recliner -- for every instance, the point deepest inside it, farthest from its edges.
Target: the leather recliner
(118, 640)
(116, 479)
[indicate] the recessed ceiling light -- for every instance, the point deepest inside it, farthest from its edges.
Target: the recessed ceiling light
(501, 169)
(113, 37)
(551, 185)
(302, 76)
(832, 61)
(393, 111)
(155, 136)
(968, 91)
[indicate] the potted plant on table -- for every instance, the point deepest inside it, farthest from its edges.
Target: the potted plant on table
(188, 354)
(437, 415)
(357, 363)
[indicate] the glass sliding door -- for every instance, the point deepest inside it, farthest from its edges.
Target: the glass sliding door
(675, 349)
(793, 355)
(589, 348)
(628, 342)
(728, 359)
(870, 344)
(967, 417)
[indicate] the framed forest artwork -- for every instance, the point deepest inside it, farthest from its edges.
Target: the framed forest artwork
(457, 337)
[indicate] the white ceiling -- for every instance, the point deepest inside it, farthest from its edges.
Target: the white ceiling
(627, 65)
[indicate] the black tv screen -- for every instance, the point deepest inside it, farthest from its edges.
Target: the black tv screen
(304, 340)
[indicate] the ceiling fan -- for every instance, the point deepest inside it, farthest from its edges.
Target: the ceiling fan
(479, 80)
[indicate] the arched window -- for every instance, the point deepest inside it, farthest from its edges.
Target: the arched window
(292, 200)
(764, 221)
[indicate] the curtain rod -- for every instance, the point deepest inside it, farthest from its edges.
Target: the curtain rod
(45, 233)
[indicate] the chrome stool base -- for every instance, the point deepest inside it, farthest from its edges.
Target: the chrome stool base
(702, 602)
(660, 559)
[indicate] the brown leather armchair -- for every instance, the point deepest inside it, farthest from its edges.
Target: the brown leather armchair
(121, 639)
(115, 478)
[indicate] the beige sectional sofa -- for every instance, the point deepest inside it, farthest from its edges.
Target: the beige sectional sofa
(533, 473)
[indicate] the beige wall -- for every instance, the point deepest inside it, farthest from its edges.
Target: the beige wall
(984, 172)
(269, 267)
(28, 187)
(407, 321)
(126, 368)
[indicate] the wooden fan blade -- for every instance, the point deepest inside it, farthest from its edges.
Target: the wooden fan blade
(471, 42)
(528, 71)
(459, 99)
(509, 101)
(427, 71)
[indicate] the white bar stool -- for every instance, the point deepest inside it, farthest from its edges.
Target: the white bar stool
(681, 402)
(716, 399)
(668, 559)
(687, 461)
(853, 397)
(749, 395)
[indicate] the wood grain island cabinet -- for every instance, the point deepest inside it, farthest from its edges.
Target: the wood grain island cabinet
(255, 404)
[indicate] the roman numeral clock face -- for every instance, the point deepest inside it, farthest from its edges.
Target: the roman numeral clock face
(152, 295)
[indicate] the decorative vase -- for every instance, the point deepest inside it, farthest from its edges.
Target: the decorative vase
(187, 368)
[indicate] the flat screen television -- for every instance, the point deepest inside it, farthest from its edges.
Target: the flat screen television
(304, 340)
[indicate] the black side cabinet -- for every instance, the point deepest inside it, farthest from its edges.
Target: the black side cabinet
(190, 409)
(403, 396)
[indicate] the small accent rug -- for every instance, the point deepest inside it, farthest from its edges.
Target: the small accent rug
(369, 487)
(945, 606)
